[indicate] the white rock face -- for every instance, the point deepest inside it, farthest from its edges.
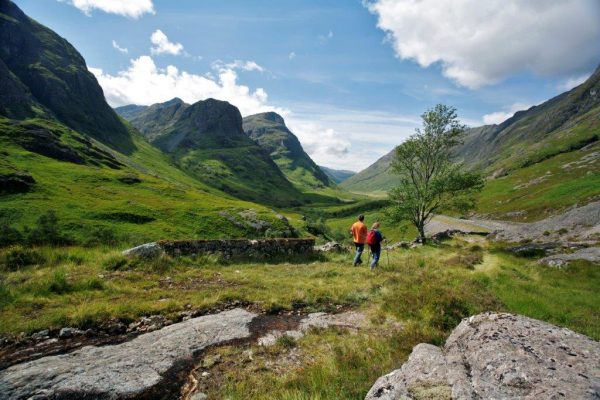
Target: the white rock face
(498, 356)
(123, 370)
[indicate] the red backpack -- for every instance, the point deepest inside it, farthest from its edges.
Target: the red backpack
(372, 238)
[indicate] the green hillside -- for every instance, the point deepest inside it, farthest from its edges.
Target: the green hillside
(207, 141)
(63, 149)
(377, 178)
(541, 152)
(45, 76)
(270, 132)
(337, 175)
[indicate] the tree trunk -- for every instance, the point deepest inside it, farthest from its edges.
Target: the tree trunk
(421, 229)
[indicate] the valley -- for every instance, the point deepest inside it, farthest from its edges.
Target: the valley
(186, 250)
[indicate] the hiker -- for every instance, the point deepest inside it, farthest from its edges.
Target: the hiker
(374, 239)
(359, 235)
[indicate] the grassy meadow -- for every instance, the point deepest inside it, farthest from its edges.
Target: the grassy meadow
(419, 295)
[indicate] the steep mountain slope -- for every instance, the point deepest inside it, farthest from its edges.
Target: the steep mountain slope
(376, 178)
(206, 139)
(538, 161)
(152, 121)
(63, 149)
(337, 175)
(270, 132)
(41, 74)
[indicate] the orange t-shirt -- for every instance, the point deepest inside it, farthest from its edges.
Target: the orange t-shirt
(359, 232)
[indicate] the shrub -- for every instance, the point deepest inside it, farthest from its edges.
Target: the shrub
(47, 231)
(448, 312)
(562, 231)
(102, 235)
(9, 235)
(18, 258)
(6, 296)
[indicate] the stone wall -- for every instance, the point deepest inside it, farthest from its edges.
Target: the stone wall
(263, 248)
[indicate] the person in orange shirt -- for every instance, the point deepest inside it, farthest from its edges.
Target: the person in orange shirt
(359, 235)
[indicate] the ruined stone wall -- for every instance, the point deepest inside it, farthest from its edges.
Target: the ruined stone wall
(263, 248)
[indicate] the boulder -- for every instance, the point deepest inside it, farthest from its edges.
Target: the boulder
(148, 250)
(330, 247)
(18, 182)
(532, 249)
(146, 366)
(591, 254)
(498, 356)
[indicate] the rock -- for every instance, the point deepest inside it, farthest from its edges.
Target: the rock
(591, 254)
(445, 235)
(148, 250)
(532, 249)
(498, 356)
(129, 179)
(18, 182)
(137, 368)
(67, 333)
(330, 247)
(398, 245)
(41, 335)
(199, 396)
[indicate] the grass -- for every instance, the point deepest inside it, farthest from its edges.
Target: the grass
(87, 198)
(420, 296)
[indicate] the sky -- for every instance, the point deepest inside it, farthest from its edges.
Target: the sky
(350, 77)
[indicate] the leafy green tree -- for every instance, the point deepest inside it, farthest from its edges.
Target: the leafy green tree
(430, 181)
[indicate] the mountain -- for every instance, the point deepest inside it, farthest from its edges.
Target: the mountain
(63, 149)
(42, 75)
(270, 132)
(538, 161)
(207, 140)
(377, 177)
(337, 175)
(152, 121)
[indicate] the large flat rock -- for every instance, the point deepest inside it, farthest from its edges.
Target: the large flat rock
(127, 370)
(498, 356)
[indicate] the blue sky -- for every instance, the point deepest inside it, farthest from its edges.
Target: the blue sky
(351, 78)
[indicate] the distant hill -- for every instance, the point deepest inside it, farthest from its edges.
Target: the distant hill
(42, 75)
(63, 149)
(337, 175)
(530, 156)
(377, 177)
(206, 139)
(270, 132)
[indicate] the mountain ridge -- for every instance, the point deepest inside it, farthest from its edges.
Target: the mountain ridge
(271, 133)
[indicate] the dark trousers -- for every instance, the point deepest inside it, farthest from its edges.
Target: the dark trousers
(360, 247)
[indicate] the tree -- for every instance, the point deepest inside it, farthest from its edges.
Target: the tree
(430, 181)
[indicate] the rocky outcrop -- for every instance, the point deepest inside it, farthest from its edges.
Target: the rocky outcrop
(17, 182)
(331, 247)
(144, 366)
(498, 356)
(227, 248)
(591, 254)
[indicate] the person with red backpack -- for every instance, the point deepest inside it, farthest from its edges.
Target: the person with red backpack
(374, 239)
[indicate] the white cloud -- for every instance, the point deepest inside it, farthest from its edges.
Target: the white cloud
(144, 83)
(292, 55)
(238, 64)
(126, 8)
(483, 42)
(572, 81)
(500, 116)
(162, 45)
(119, 48)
